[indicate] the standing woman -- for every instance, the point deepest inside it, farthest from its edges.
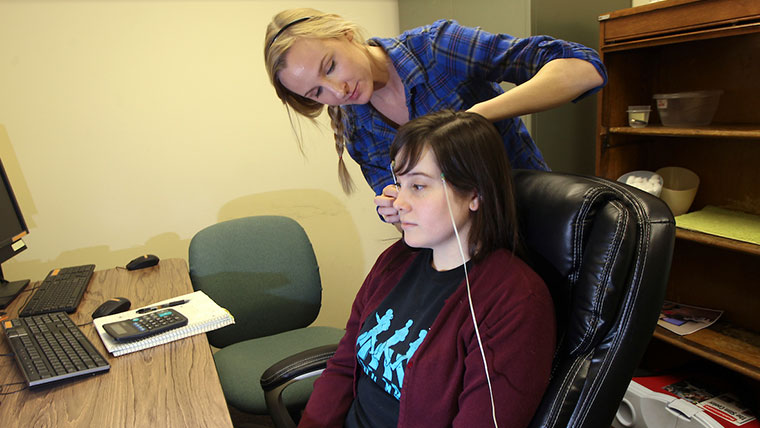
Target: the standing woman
(371, 88)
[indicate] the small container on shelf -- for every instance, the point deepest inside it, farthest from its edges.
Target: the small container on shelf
(687, 109)
(638, 116)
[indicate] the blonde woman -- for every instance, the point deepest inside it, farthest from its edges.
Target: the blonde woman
(372, 87)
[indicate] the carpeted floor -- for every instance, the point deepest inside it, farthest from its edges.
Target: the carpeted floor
(245, 420)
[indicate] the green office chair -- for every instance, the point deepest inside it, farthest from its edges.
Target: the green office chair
(263, 270)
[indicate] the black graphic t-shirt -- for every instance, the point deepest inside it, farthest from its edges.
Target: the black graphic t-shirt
(391, 335)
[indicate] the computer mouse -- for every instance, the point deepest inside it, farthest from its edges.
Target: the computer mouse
(142, 262)
(112, 306)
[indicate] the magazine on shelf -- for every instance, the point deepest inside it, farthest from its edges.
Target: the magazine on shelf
(685, 319)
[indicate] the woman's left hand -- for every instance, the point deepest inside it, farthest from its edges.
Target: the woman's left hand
(384, 204)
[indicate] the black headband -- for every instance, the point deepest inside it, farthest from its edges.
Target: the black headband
(285, 27)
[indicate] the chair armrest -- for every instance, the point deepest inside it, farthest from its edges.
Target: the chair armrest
(280, 375)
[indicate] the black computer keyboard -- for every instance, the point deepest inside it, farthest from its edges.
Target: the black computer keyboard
(61, 290)
(50, 348)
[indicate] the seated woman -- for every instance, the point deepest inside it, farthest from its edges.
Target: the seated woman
(451, 327)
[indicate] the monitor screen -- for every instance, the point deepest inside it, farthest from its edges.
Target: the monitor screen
(12, 224)
(12, 229)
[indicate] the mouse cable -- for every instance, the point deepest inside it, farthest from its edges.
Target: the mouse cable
(28, 297)
(29, 289)
(3, 392)
(469, 299)
(87, 323)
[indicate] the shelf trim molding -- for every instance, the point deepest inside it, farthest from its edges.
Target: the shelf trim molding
(717, 241)
(720, 131)
(711, 33)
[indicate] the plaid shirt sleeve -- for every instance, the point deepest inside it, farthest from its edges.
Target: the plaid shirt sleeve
(500, 57)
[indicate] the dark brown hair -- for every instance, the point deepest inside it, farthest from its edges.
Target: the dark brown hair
(470, 153)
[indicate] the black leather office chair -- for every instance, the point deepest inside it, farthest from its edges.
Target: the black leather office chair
(604, 250)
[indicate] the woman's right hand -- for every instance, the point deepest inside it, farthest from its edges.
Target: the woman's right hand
(384, 204)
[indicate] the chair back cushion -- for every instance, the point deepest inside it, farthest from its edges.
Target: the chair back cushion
(263, 270)
(604, 250)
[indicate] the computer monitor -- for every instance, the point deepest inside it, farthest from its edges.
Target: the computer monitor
(12, 229)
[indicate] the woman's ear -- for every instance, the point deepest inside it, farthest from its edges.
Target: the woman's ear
(474, 201)
(349, 35)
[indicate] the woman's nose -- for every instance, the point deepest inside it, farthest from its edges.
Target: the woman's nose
(339, 89)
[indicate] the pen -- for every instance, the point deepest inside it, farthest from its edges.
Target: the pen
(165, 305)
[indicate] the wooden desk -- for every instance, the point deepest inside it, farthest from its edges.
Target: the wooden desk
(172, 385)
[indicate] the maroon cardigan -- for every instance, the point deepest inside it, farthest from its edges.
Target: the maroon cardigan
(444, 382)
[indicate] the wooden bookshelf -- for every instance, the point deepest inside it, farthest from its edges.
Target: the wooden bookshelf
(681, 46)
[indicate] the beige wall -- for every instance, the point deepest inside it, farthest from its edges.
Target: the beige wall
(128, 125)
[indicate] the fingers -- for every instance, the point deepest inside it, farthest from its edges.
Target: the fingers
(387, 198)
(390, 215)
(390, 191)
(384, 204)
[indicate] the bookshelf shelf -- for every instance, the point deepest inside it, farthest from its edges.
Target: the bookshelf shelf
(717, 241)
(724, 131)
(723, 344)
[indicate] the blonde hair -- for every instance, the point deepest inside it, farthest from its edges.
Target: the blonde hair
(278, 40)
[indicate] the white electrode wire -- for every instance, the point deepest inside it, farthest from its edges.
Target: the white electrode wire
(469, 299)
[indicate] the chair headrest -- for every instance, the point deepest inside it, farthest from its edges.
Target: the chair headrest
(581, 233)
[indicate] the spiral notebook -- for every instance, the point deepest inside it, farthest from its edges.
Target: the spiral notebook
(203, 315)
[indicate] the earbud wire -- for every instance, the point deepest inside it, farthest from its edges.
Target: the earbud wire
(469, 299)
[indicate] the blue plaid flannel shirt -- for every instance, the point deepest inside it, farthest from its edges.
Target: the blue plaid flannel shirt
(446, 65)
